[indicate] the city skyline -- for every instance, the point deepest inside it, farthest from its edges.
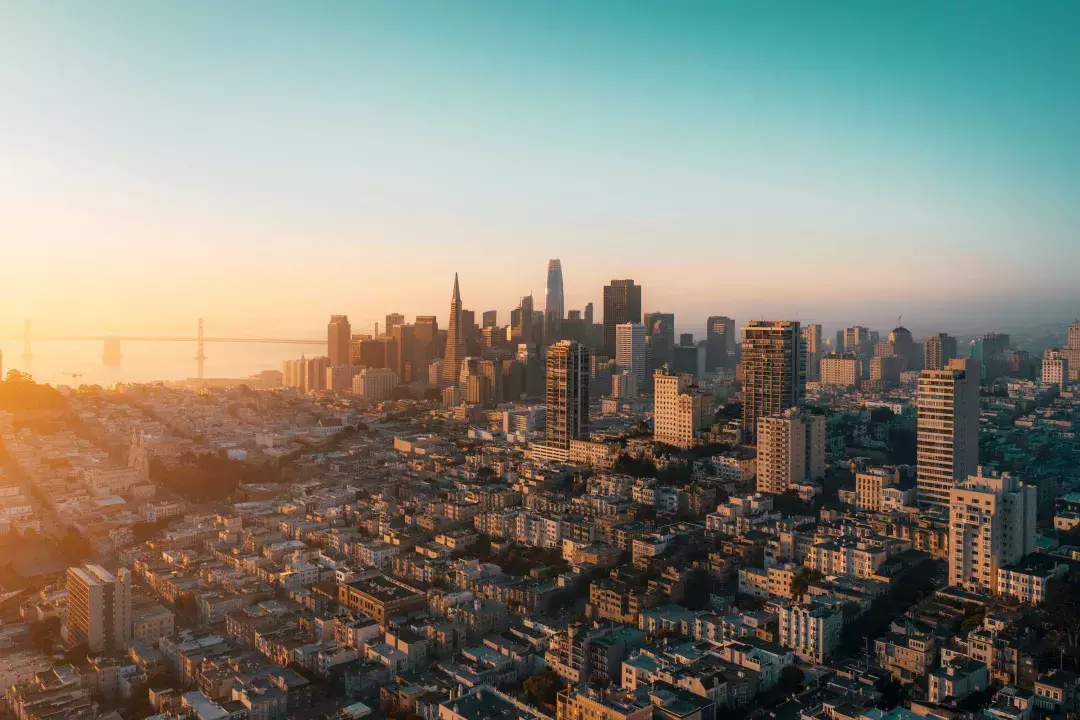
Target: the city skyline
(180, 193)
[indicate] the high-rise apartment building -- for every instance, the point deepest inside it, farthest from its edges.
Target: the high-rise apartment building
(630, 350)
(1073, 341)
(660, 339)
(455, 343)
(859, 340)
(567, 393)
(676, 412)
(886, 369)
(588, 313)
(1071, 351)
(814, 348)
(622, 304)
(773, 371)
(948, 432)
(392, 321)
(554, 311)
(840, 369)
(339, 338)
(938, 350)
(1055, 367)
(991, 525)
(790, 449)
(719, 340)
(98, 608)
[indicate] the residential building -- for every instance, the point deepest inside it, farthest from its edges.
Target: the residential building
(676, 412)
(1055, 367)
(773, 372)
(841, 370)
(991, 524)
(791, 449)
(948, 432)
(870, 487)
(812, 631)
(567, 393)
(938, 350)
(98, 608)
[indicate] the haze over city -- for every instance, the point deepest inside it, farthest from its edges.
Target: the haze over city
(262, 168)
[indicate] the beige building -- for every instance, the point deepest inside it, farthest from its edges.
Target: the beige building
(991, 524)
(339, 377)
(791, 449)
(676, 412)
(938, 350)
(98, 608)
(374, 384)
(870, 487)
(840, 369)
(948, 432)
(773, 372)
(587, 702)
(1055, 367)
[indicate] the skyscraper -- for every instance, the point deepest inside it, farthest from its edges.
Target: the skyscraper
(630, 351)
(791, 448)
(554, 312)
(622, 304)
(98, 608)
(991, 525)
(491, 318)
(392, 321)
(773, 371)
(905, 346)
(948, 432)
(455, 344)
(589, 314)
(339, 338)
(567, 393)
(660, 339)
(812, 345)
(938, 350)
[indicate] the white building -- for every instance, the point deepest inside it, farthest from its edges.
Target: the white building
(1055, 368)
(374, 384)
(791, 449)
(813, 632)
(676, 412)
(948, 431)
(991, 524)
(630, 350)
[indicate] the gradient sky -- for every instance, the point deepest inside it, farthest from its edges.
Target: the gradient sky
(265, 164)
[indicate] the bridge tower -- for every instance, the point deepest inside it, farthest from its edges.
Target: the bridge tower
(200, 355)
(28, 354)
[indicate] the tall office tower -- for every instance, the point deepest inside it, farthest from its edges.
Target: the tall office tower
(573, 315)
(886, 369)
(588, 313)
(1055, 367)
(455, 343)
(491, 318)
(686, 339)
(521, 321)
(630, 350)
(98, 608)
(622, 304)
(994, 356)
(554, 312)
(905, 346)
(839, 345)
(1073, 342)
(991, 525)
(1071, 351)
(425, 345)
(380, 352)
(790, 449)
(660, 339)
(402, 363)
(859, 340)
(339, 337)
(719, 338)
(938, 350)
(676, 412)
(840, 369)
(567, 393)
(773, 372)
(689, 359)
(814, 349)
(948, 432)
(392, 321)
(481, 381)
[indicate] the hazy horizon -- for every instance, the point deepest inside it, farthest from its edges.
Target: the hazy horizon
(264, 165)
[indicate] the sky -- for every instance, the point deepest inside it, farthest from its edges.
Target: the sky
(265, 164)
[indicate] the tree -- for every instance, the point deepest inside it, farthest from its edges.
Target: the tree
(543, 688)
(792, 678)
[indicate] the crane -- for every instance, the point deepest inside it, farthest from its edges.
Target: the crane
(74, 377)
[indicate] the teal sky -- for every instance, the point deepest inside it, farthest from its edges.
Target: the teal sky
(266, 164)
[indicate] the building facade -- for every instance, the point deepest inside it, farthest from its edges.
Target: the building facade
(98, 608)
(948, 432)
(773, 372)
(791, 449)
(622, 304)
(630, 351)
(567, 393)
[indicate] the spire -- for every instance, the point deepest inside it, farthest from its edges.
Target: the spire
(457, 293)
